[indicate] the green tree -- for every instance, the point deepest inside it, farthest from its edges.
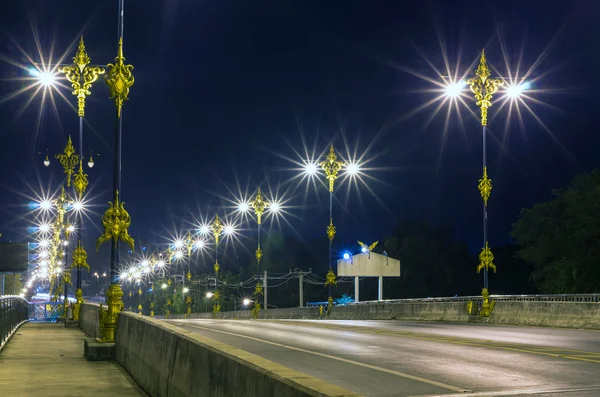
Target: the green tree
(561, 237)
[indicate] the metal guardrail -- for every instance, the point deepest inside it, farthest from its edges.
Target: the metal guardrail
(516, 298)
(13, 311)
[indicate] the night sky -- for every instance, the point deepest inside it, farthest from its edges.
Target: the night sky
(225, 91)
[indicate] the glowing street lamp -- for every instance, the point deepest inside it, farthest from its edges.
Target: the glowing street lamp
(45, 205)
(516, 90)
(453, 90)
(483, 88)
(44, 78)
(311, 168)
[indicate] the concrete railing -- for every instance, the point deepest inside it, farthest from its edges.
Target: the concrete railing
(584, 315)
(567, 314)
(416, 311)
(89, 321)
(168, 361)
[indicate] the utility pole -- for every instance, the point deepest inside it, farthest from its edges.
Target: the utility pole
(301, 284)
(301, 288)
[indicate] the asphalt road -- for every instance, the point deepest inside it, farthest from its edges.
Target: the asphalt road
(394, 358)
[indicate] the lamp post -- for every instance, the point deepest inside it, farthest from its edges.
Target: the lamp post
(216, 227)
(483, 88)
(69, 159)
(259, 206)
(116, 219)
(331, 166)
(189, 245)
(81, 76)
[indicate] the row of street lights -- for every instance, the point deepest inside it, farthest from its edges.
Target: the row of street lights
(116, 220)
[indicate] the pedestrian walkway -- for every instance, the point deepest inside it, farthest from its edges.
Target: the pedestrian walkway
(46, 359)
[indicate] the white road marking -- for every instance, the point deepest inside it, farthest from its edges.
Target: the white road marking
(514, 392)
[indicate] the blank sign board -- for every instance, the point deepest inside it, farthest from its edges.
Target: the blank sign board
(369, 265)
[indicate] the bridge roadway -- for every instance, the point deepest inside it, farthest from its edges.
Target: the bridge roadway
(393, 358)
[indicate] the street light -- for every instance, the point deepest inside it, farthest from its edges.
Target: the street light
(216, 227)
(483, 87)
(259, 206)
(116, 219)
(514, 91)
(45, 205)
(454, 89)
(331, 166)
(44, 78)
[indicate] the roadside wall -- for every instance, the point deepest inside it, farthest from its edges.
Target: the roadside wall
(533, 313)
(88, 319)
(168, 361)
(418, 311)
(584, 315)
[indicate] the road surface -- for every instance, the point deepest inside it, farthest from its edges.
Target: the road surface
(394, 358)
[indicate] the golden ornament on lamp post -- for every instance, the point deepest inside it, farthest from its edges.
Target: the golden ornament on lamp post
(483, 88)
(331, 166)
(116, 219)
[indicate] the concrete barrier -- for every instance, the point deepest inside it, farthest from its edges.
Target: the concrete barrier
(89, 321)
(585, 315)
(418, 311)
(168, 361)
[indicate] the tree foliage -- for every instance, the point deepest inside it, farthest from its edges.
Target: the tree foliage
(561, 238)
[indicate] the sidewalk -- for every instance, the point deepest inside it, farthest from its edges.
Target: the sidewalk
(46, 359)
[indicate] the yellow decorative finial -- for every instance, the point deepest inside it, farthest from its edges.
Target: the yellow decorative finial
(485, 186)
(259, 205)
(259, 254)
(116, 221)
(119, 79)
(81, 76)
(483, 70)
(330, 278)
(486, 259)
(483, 88)
(68, 159)
(331, 166)
(217, 228)
(80, 257)
(330, 230)
(80, 181)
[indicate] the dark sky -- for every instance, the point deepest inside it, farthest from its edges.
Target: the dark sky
(225, 89)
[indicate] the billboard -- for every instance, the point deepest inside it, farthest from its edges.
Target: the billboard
(368, 264)
(14, 257)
